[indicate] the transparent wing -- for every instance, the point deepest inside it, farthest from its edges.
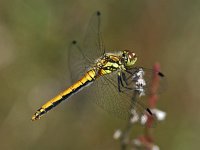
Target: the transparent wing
(104, 92)
(153, 80)
(93, 46)
(156, 82)
(82, 56)
(153, 86)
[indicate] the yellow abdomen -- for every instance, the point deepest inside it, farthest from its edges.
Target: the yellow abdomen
(88, 78)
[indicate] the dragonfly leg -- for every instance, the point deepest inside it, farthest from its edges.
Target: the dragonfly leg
(122, 78)
(120, 83)
(129, 72)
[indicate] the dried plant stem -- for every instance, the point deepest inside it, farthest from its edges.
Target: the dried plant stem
(152, 101)
(147, 139)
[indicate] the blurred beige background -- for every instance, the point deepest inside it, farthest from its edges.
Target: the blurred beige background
(34, 36)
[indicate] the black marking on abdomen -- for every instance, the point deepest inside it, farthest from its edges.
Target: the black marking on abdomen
(74, 91)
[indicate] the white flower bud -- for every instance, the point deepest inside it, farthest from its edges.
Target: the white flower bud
(160, 115)
(117, 134)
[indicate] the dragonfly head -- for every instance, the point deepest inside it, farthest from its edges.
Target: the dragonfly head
(128, 58)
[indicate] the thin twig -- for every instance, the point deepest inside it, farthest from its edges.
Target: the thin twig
(147, 139)
(124, 140)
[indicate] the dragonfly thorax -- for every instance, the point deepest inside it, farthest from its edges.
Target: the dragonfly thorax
(108, 63)
(111, 62)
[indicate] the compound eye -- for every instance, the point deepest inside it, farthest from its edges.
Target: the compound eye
(131, 56)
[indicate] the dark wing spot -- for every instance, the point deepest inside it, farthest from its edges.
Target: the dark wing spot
(149, 111)
(98, 13)
(74, 42)
(161, 74)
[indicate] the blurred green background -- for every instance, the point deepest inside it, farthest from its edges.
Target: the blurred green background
(34, 36)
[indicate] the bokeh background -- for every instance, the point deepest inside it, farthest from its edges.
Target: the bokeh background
(34, 37)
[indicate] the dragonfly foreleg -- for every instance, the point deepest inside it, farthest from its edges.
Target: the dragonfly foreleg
(120, 83)
(122, 78)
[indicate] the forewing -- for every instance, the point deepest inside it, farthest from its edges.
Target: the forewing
(93, 46)
(156, 82)
(82, 56)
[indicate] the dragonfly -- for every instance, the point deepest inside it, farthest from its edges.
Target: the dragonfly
(103, 76)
